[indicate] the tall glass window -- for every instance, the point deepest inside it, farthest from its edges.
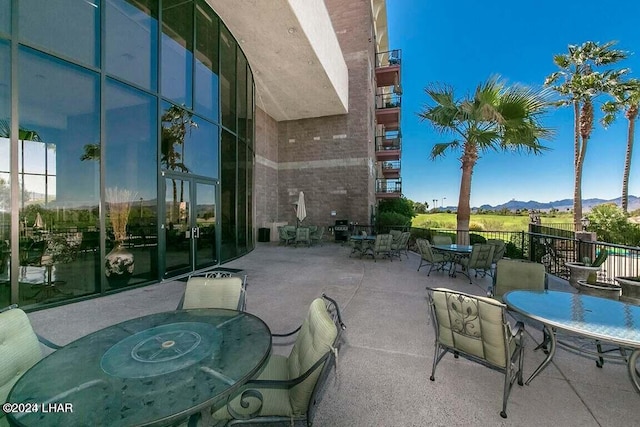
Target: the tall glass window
(206, 87)
(242, 197)
(59, 118)
(130, 169)
(5, 16)
(249, 136)
(242, 95)
(202, 153)
(228, 196)
(228, 79)
(5, 189)
(68, 27)
(137, 21)
(177, 51)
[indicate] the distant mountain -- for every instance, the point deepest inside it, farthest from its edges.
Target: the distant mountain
(561, 205)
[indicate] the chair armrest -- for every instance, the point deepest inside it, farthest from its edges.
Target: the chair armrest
(48, 343)
(292, 382)
(518, 330)
(288, 334)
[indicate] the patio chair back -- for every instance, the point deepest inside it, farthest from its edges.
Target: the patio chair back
(214, 292)
(500, 248)
(19, 350)
(316, 338)
(427, 256)
(440, 239)
(476, 328)
(514, 274)
(382, 246)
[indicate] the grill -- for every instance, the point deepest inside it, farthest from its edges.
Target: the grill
(341, 230)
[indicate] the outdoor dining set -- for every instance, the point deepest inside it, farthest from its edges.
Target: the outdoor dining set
(476, 327)
(207, 362)
(307, 235)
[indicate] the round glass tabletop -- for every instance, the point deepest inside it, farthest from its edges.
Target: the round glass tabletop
(153, 370)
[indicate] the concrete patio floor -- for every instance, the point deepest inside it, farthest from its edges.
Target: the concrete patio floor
(385, 362)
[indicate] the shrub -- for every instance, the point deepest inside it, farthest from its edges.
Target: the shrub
(388, 220)
(476, 238)
(476, 226)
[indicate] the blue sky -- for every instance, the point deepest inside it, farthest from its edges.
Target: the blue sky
(463, 43)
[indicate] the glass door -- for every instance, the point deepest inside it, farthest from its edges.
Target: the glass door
(205, 225)
(190, 224)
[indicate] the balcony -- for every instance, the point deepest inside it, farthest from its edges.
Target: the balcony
(388, 69)
(388, 110)
(388, 146)
(388, 188)
(391, 170)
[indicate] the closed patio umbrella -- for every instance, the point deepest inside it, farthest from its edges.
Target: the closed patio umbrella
(301, 211)
(39, 223)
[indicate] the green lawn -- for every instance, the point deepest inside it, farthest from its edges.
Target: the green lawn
(488, 222)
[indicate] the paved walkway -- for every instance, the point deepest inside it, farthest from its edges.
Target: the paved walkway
(385, 362)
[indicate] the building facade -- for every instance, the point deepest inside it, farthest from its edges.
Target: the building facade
(153, 138)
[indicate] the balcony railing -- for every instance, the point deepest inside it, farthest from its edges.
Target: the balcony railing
(392, 165)
(388, 100)
(384, 144)
(389, 58)
(389, 187)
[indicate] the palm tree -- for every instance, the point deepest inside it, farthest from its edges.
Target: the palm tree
(580, 86)
(626, 96)
(497, 117)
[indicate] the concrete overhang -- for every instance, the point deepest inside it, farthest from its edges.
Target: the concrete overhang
(291, 45)
(379, 9)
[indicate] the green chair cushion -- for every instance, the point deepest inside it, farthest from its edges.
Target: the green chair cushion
(19, 350)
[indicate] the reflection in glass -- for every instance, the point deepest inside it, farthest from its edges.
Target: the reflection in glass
(206, 86)
(131, 46)
(5, 16)
(205, 211)
(5, 182)
(59, 115)
(130, 164)
(242, 95)
(177, 225)
(189, 144)
(242, 197)
(228, 197)
(177, 50)
(249, 136)
(49, 24)
(201, 155)
(250, 242)
(228, 79)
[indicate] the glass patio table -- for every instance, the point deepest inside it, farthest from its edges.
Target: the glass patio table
(455, 254)
(603, 319)
(154, 370)
(361, 243)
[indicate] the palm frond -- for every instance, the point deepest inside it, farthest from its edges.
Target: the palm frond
(441, 148)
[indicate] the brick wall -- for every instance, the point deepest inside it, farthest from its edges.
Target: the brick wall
(331, 159)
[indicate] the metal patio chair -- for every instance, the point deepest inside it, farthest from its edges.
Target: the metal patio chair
(477, 329)
(428, 256)
(480, 260)
(288, 388)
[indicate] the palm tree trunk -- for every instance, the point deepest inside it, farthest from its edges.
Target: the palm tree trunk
(463, 216)
(577, 167)
(632, 113)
